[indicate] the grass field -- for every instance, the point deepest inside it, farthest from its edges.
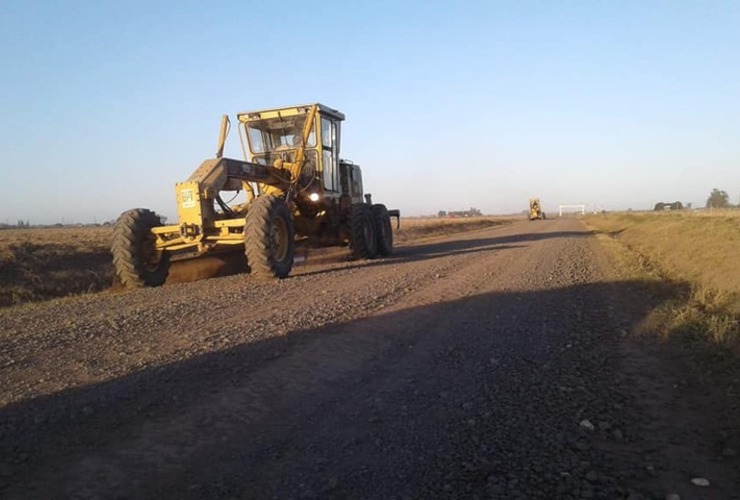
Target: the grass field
(41, 264)
(700, 248)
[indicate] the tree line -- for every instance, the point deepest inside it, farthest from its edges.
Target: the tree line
(719, 199)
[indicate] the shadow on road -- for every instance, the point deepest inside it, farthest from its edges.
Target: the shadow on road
(386, 395)
(424, 250)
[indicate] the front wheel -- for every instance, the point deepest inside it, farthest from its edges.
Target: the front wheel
(269, 238)
(363, 240)
(383, 228)
(136, 260)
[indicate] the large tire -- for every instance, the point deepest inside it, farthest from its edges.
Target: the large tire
(363, 239)
(383, 229)
(136, 261)
(269, 238)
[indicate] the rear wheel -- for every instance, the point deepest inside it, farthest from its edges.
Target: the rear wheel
(383, 229)
(363, 240)
(136, 261)
(269, 238)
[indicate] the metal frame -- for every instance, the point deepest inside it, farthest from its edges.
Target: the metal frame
(581, 207)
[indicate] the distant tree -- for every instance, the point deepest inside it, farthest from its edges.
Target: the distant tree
(659, 207)
(441, 213)
(718, 199)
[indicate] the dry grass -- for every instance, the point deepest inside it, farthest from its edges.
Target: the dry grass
(41, 264)
(695, 247)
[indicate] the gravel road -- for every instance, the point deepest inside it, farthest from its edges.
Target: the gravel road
(490, 364)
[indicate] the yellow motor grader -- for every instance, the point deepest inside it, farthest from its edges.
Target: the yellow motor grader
(535, 209)
(297, 189)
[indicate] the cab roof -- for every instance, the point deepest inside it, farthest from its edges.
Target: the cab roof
(288, 111)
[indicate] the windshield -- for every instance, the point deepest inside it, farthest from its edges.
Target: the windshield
(278, 134)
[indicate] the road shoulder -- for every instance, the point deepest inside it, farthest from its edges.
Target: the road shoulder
(683, 416)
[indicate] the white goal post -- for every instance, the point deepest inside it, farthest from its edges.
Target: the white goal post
(580, 208)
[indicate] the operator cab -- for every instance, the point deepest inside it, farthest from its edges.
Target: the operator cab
(278, 135)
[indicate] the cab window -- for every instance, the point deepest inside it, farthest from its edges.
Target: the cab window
(326, 134)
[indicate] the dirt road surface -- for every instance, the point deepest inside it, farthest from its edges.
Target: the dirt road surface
(491, 364)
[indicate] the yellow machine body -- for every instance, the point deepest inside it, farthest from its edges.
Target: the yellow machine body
(297, 188)
(535, 209)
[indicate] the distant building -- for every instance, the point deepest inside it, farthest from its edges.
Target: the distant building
(660, 206)
(472, 212)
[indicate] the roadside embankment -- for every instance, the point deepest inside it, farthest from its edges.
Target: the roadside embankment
(698, 248)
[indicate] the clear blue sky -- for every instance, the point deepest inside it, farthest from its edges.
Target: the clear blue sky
(104, 105)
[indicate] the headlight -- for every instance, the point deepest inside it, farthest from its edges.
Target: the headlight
(314, 196)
